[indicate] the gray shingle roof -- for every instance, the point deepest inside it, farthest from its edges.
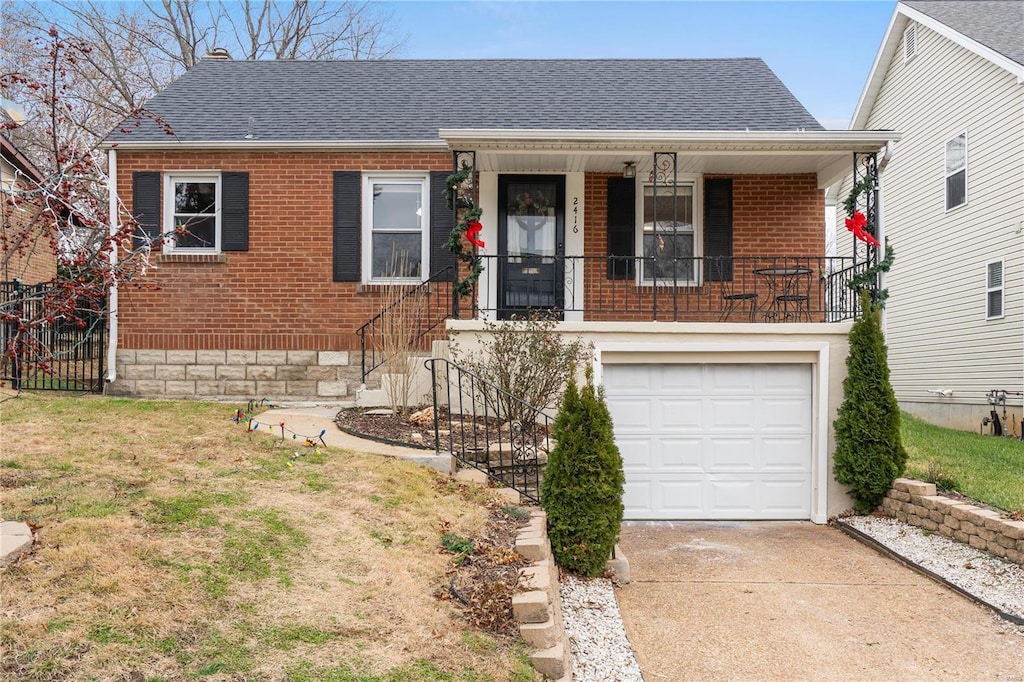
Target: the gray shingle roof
(412, 99)
(997, 24)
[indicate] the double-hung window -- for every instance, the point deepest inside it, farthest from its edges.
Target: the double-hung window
(994, 290)
(956, 171)
(192, 212)
(668, 235)
(395, 209)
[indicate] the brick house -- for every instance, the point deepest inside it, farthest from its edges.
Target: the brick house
(669, 211)
(23, 259)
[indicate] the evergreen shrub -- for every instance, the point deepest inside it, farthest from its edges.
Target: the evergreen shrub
(869, 450)
(582, 487)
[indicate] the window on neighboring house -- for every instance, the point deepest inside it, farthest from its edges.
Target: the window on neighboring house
(909, 42)
(994, 290)
(668, 235)
(395, 241)
(193, 212)
(956, 171)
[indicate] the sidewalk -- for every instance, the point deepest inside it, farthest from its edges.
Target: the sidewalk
(310, 421)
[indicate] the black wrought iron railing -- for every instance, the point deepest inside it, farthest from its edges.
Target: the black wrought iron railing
(489, 429)
(413, 318)
(665, 288)
(50, 341)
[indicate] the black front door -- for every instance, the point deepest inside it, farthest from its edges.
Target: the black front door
(531, 244)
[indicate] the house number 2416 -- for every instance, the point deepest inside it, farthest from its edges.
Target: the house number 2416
(575, 215)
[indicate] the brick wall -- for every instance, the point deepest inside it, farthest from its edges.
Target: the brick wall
(773, 215)
(279, 295)
(916, 503)
(32, 260)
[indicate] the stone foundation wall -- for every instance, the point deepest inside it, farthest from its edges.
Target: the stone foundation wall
(916, 503)
(236, 374)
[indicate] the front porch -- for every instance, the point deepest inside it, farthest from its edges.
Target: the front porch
(770, 288)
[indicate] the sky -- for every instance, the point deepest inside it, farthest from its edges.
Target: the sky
(821, 50)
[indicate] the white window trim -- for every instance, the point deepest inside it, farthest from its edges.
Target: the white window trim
(946, 175)
(367, 224)
(698, 230)
(909, 42)
(1001, 289)
(167, 236)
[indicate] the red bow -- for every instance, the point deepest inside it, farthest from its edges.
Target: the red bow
(472, 230)
(856, 224)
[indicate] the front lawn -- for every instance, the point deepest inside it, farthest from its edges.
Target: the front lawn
(988, 469)
(173, 545)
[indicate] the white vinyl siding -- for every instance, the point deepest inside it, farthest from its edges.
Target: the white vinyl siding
(934, 329)
(994, 290)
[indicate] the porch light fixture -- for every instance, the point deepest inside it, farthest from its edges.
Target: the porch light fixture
(629, 170)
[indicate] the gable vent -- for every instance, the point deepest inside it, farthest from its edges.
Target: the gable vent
(909, 42)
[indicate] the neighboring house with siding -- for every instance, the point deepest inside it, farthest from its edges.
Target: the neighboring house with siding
(669, 211)
(950, 77)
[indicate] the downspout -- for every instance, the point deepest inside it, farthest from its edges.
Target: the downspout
(112, 304)
(879, 218)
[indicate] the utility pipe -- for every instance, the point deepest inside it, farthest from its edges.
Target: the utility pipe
(112, 297)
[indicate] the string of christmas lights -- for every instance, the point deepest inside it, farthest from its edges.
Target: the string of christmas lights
(248, 417)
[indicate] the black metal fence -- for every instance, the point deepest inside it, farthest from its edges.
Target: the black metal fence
(489, 429)
(668, 288)
(43, 349)
(414, 318)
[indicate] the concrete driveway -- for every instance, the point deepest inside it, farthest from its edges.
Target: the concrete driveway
(796, 601)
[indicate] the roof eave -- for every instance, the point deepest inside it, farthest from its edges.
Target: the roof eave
(659, 140)
(294, 145)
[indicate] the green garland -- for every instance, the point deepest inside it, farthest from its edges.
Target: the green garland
(868, 279)
(467, 211)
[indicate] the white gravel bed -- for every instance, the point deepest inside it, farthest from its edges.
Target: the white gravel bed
(600, 650)
(989, 578)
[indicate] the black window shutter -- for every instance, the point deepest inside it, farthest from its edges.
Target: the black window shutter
(442, 220)
(621, 227)
(718, 229)
(347, 230)
(234, 228)
(146, 206)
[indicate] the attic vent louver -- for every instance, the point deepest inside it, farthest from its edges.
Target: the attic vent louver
(909, 42)
(218, 53)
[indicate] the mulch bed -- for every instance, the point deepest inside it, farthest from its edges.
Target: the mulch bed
(457, 432)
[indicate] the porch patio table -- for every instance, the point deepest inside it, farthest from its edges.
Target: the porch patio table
(787, 296)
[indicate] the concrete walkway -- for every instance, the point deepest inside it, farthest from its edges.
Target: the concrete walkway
(310, 421)
(796, 601)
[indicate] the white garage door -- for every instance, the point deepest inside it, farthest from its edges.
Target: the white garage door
(713, 441)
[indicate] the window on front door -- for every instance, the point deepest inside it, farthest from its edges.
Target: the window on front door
(393, 220)
(668, 234)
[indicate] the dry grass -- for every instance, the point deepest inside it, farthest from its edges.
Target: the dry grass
(174, 545)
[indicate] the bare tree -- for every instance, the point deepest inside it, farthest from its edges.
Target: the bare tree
(136, 49)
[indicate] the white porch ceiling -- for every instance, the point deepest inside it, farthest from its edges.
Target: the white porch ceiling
(828, 154)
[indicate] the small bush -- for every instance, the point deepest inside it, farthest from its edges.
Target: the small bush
(869, 449)
(526, 358)
(582, 486)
